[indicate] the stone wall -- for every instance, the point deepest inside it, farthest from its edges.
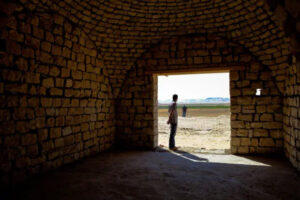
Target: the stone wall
(123, 30)
(256, 121)
(64, 63)
(291, 114)
(287, 16)
(55, 99)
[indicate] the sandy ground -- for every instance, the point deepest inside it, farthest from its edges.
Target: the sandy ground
(198, 133)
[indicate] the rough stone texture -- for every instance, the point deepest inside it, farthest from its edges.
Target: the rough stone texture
(69, 67)
(291, 114)
(256, 121)
(56, 102)
(123, 30)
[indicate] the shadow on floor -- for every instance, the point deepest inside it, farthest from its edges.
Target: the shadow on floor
(168, 175)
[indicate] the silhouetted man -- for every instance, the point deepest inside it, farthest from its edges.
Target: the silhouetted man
(173, 118)
(184, 109)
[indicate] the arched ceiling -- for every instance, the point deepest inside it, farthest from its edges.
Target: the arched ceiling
(123, 30)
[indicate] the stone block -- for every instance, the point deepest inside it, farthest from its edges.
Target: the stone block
(38, 32)
(272, 125)
(12, 141)
(59, 142)
(266, 142)
(245, 100)
(242, 133)
(237, 124)
(256, 125)
(22, 126)
(243, 150)
(261, 109)
(40, 122)
(67, 131)
(235, 92)
(260, 133)
(84, 127)
(248, 109)
(59, 82)
(276, 133)
(13, 47)
(198, 60)
(16, 88)
(254, 142)
(235, 141)
(245, 142)
(32, 150)
(56, 92)
(55, 132)
(86, 136)
(68, 140)
(76, 75)
(266, 117)
(29, 139)
(245, 117)
(65, 72)
(42, 134)
(54, 71)
(57, 102)
(48, 82)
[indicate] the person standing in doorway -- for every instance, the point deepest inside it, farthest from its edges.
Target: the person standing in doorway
(184, 109)
(173, 119)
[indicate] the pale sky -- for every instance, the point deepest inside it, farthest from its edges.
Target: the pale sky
(194, 86)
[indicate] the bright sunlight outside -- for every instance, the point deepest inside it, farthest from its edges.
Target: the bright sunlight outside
(205, 126)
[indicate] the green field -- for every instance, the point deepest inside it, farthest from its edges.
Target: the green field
(198, 106)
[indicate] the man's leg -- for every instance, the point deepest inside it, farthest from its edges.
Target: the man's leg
(172, 136)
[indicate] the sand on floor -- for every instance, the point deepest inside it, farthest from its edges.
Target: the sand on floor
(197, 132)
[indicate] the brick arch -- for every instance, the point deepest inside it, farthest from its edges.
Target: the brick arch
(256, 121)
(124, 30)
(120, 33)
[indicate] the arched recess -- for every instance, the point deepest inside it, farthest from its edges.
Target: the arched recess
(256, 122)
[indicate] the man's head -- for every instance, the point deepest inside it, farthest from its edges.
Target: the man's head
(175, 97)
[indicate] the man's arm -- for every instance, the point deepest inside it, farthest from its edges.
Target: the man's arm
(171, 114)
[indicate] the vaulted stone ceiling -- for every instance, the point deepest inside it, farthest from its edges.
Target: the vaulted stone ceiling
(123, 30)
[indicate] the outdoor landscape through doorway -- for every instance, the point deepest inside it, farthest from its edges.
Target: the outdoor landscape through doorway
(205, 126)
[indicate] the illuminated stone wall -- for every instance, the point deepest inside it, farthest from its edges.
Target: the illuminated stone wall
(256, 121)
(66, 66)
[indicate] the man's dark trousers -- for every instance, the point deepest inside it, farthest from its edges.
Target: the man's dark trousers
(172, 135)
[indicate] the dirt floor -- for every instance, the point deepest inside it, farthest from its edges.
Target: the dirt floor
(167, 176)
(202, 130)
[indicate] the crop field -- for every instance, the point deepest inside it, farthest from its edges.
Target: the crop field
(198, 106)
(205, 127)
(198, 110)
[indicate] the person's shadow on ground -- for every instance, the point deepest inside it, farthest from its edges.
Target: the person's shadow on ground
(182, 154)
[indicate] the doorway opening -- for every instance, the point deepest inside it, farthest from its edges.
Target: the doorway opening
(203, 109)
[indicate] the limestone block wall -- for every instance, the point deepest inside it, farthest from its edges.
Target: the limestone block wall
(64, 63)
(123, 30)
(291, 114)
(256, 121)
(55, 99)
(287, 16)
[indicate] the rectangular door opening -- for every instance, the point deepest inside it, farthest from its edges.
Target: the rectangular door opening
(203, 109)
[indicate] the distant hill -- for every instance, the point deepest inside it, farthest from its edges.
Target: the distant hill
(194, 101)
